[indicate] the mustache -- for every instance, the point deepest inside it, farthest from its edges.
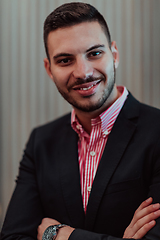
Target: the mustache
(80, 81)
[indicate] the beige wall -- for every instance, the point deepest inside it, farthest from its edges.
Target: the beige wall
(28, 98)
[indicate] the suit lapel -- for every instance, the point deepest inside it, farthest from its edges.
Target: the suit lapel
(117, 142)
(70, 177)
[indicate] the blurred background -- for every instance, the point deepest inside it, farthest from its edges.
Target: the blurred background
(29, 98)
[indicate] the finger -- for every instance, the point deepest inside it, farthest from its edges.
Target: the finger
(143, 231)
(147, 210)
(145, 203)
(141, 223)
(142, 212)
(145, 214)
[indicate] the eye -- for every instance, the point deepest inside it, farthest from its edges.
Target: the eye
(64, 61)
(95, 54)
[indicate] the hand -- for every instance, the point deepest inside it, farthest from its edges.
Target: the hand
(63, 233)
(143, 219)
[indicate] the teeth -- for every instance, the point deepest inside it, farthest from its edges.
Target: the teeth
(85, 89)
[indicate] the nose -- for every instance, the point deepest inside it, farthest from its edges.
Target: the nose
(82, 68)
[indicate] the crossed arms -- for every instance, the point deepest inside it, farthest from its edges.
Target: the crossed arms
(143, 220)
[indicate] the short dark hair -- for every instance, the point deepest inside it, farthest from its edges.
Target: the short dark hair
(70, 14)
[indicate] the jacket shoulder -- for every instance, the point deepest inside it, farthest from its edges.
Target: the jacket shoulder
(55, 127)
(134, 107)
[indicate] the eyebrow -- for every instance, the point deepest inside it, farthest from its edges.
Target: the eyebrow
(62, 55)
(70, 55)
(95, 47)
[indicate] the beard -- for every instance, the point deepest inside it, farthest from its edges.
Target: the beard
(90, 107)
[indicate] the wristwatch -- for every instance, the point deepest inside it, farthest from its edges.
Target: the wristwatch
(51, 232)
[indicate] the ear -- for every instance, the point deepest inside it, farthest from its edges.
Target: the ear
(47, 66)
(115, 53)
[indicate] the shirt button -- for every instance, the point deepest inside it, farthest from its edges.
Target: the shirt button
(92, 153)
(106, 132)
(89, 189)
(77, 126)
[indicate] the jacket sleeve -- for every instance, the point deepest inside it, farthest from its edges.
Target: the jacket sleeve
(80, 234)
(25, 211)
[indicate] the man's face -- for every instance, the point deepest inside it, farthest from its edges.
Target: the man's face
(83, 66)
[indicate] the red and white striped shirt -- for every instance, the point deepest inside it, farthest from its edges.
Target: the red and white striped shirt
(91, 147)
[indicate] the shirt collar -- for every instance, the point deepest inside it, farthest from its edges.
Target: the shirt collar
(106, 119)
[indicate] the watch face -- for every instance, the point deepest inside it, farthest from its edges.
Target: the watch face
(50, 233)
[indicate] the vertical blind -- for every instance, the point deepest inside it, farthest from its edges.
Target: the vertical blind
(29, 98)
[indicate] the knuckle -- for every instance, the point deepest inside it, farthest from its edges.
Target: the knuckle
(138, 225)
(150, 217)
(136, 212)
(44, 220)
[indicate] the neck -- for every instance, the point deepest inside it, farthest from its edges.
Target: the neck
(85, 117)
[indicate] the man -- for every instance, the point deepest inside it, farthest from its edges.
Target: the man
(92, 169)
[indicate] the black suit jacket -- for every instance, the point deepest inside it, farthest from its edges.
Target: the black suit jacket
(48, 184)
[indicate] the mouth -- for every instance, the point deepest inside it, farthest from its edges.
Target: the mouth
(87, 86)
(87, 89)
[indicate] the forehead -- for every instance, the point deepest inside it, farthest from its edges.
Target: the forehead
(76, 38)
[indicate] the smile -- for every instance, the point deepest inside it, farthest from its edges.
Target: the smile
(87, 86)
(87, 89)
